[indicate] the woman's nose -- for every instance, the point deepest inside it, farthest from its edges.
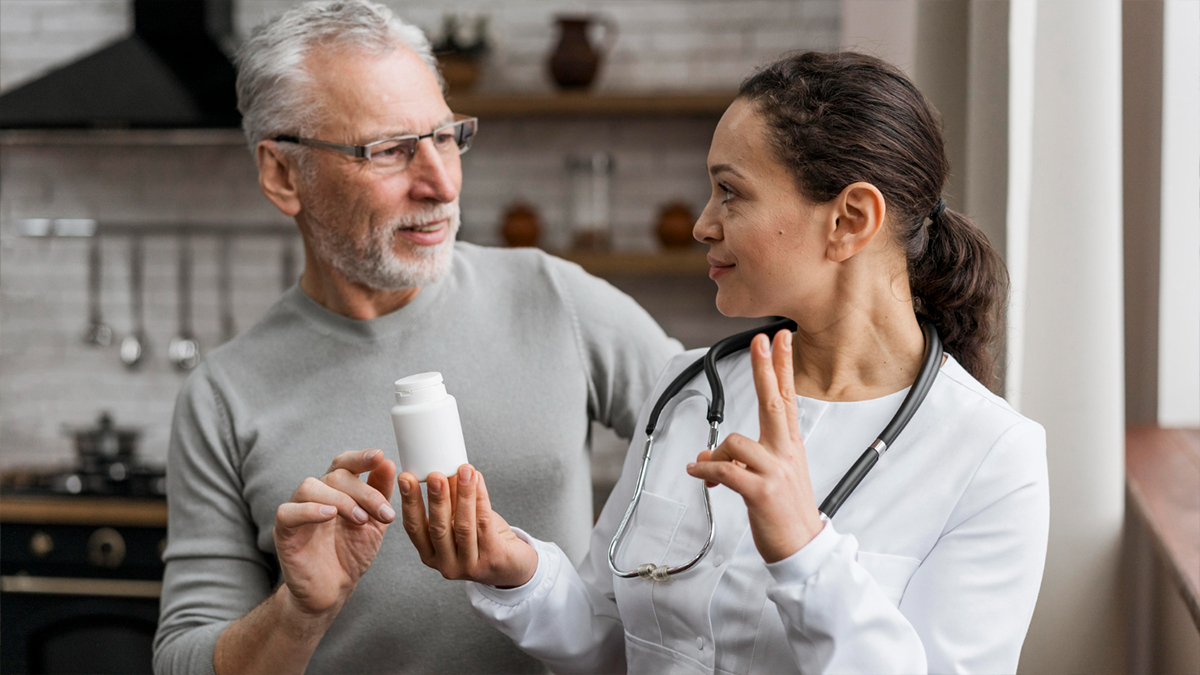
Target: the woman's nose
(706, 230)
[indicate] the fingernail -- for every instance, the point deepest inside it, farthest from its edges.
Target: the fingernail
(787, 340)
(465, 474)
(435, 487)
(691, 466)
(359, 514)
(370, 454)
(386, 512)
(328, 510)
(404, 487)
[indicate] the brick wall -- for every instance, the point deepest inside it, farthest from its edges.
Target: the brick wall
(48, 377)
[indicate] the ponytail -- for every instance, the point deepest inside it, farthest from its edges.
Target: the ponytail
(837, 119)
(959, 283)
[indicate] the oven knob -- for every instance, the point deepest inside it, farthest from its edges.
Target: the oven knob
(106, 548)
(41, 545)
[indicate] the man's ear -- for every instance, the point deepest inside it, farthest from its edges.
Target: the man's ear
(859, 212)
(277, 178)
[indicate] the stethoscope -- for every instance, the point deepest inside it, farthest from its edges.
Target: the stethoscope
(716, 414)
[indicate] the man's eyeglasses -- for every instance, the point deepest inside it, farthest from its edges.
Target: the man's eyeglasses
(395, 153)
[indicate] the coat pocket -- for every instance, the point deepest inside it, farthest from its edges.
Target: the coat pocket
(650, 531)
(891, 572)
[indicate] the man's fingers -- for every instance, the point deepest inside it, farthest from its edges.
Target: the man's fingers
(291, 515)
(412, 506)
(383, 478)
(367, 497)
(357, 461)
(466, 538)
(313, 490)
(772, 411)
(781, 358)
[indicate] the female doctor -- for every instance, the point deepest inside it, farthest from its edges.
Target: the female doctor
(827, 173)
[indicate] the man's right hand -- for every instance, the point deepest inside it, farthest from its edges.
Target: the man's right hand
(328, 534)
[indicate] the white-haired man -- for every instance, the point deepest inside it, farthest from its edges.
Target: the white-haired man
(344, 110)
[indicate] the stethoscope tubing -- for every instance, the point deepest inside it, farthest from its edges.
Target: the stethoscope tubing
(716, 415)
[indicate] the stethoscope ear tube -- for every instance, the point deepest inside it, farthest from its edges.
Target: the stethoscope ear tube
(912, 401)
(731, 344)
(849, 481)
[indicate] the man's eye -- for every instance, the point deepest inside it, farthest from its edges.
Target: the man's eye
(444, 137)
(390, 150)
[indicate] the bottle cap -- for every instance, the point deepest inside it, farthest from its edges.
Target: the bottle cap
(419, 388)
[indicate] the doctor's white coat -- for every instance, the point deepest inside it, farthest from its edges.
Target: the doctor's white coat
(932, 565)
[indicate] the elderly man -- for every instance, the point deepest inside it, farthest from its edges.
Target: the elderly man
(271, 569)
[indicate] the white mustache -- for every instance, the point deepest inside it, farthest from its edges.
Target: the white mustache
(440, 212)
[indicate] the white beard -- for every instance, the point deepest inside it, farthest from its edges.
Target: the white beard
(371, 260)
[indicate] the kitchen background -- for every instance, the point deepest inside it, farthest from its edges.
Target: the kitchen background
(50, 377)
(1073, 128)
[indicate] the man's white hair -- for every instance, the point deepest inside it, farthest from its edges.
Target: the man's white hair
(273, 87)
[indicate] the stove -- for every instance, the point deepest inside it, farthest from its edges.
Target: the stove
(81, 558)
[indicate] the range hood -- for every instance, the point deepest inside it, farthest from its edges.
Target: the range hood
(171, 73)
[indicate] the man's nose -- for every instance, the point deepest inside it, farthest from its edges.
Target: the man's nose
(432, 176)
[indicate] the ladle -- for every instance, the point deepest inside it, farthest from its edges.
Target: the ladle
(97, 333)
(225, 288)
(184, 351)
(134, 345)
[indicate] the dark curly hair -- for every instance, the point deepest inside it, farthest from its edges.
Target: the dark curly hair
(842, 118)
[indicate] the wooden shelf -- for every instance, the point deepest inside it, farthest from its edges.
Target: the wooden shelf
(1162, 474)
(111, 511)
(688, 262)
(705, 104)
(123, 137)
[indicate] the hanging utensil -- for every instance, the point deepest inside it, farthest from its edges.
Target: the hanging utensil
(225, 288)
(97, 333)
(287, 264)
(134, 345)
(183, 350)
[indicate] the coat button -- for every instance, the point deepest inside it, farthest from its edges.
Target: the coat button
(700, 643)
(717, 561)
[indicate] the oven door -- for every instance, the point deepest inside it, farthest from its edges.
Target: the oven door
(78, 599)
(76, 627)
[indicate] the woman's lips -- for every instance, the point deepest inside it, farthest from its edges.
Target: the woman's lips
(718, 269)
(430, 238)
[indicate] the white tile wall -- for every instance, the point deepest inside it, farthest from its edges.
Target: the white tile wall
(48, 377)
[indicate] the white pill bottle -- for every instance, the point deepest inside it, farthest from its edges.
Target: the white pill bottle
(428, 430)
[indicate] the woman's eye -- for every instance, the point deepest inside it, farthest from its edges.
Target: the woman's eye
(726, 193)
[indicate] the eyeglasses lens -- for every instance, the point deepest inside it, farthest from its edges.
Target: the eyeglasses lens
(450, 140)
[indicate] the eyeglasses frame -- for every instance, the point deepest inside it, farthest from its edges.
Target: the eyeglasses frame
(364, 151)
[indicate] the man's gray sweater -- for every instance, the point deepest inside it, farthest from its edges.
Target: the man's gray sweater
(532, 347)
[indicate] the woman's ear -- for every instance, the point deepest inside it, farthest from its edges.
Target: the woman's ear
(859, 213)
(277, 178)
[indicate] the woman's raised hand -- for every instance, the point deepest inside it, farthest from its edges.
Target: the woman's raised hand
(463, 538)
(771, 475)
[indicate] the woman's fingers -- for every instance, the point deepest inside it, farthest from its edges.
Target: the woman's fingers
(441, 517)
(466, 538)
(412, 506)
(313, 490)
(781, 359)
(772, 411)
(733, 476)
(367, 497)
